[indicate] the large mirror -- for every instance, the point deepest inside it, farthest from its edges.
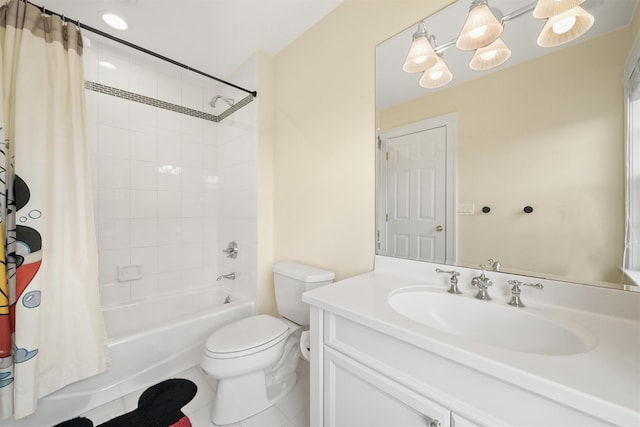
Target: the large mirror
(532, 171)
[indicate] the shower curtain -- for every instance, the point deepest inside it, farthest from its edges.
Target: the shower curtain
(51, 327)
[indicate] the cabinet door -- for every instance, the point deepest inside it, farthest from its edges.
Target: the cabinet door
(355, 395)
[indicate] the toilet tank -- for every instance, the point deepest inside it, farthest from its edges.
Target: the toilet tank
(291, 280)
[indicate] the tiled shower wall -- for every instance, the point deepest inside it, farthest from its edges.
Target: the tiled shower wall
(170, 190)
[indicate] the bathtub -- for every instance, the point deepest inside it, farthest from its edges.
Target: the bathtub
(149, 341)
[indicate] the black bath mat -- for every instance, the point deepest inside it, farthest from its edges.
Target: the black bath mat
(158, 406)
(76, 422)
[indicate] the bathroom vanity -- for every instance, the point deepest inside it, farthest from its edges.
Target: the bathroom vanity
(394, 348)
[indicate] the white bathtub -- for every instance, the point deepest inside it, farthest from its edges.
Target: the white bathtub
(149, 341)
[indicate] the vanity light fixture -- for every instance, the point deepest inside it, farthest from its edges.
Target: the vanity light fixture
(564, 27)
(114, 21)
(421, 55)
(481, 27)
(481, 32)
(548, 8)
(490, 56)
(436, 76)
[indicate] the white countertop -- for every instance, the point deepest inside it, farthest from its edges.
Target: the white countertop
(603, 382)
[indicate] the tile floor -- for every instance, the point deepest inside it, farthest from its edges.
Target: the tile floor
(291, 411)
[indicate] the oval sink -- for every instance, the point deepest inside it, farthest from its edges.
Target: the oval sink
(498, 325)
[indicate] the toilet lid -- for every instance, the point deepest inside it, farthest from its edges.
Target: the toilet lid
(247, 336)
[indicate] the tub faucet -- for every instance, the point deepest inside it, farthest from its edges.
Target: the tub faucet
(230, 276)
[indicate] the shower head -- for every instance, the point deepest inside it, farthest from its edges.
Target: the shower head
(213, 101)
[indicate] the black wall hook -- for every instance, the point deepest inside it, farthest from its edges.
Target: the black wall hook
(528, 209)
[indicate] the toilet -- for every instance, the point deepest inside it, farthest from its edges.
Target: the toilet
(254, 360)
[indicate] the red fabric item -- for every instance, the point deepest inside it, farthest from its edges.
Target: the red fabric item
(24, 275)
(5, 336)
(182, 422)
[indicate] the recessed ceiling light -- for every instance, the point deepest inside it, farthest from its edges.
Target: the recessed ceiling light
(114, 21)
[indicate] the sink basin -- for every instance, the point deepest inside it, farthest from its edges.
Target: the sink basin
(492, 323)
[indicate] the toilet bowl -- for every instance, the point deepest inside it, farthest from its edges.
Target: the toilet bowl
(254, 360)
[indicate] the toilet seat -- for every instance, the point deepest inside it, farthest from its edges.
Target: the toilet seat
(245, 337)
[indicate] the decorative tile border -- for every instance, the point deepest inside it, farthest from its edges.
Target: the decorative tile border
(130, 96)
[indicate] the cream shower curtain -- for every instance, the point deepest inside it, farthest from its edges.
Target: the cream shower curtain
(51, 327)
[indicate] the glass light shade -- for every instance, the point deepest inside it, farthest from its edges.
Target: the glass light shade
(436, 76)
(480, 29)
(490, 56)
(556, 31)
(548, 8)
(421, 54)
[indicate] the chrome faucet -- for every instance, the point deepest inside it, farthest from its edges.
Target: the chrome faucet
(453, 289)
(515, 291)
(232, 250)
(493, 265)
(230, 276)
(482, 282)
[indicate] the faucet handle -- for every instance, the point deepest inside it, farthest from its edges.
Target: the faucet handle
(516, 283)
(482, 282)
(515, 291)
(454, 280)
(232, 250)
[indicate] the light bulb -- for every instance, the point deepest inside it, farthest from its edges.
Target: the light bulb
(435, 75)
(480, 29)
(564, 25)
(478, 32)
(489, 54)
(421, 55)
(421, 48)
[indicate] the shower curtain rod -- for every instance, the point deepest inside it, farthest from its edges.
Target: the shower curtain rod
(140, 48)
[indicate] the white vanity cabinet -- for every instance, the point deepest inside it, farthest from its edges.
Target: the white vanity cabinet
(355, 395)
(373, 366)
(362, 376)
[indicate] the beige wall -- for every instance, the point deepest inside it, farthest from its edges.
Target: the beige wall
(634, 27)
(547, 133)
(324, 150)
(266, 141)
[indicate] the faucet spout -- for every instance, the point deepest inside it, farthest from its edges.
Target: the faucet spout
(230, 276)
